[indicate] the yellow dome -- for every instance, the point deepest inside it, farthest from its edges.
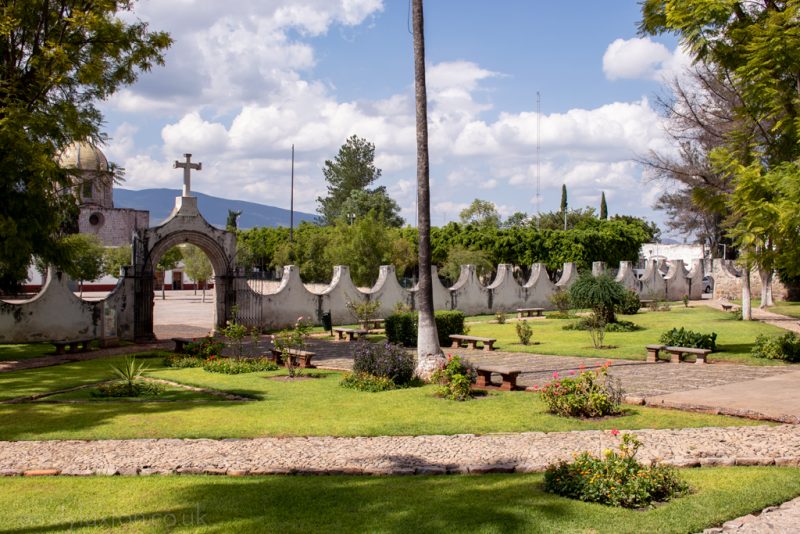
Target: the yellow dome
(84, 156)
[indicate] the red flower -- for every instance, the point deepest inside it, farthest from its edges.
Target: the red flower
(555, 374)
(614, 432)
(572, 372)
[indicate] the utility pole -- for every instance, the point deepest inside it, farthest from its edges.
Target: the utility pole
(291, 204)
(538, 159)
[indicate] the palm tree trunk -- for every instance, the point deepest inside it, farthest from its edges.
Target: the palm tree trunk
(429, 352)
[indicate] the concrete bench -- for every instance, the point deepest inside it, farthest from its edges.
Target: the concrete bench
(699, 354)
(471, 341)
(76, 345)
(652, 352)
(529, 312)
(507, 374)
(370, 324)
(352, 333)
(180, 343)
(300, 358)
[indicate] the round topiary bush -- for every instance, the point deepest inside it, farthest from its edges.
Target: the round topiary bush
(384, 360)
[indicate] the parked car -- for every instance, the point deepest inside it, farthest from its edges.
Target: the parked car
(708, 284)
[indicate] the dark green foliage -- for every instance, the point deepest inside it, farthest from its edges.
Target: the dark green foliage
(235, 366)
(785, 347)
(631, 304)
(205, 347)
(600, 293)
(122, 389)
(618, 479)
(401, 328)
(58, 60)
(603, 207)
(182, 361)
(455, 379)
(590, 393)
(586, 323)
(367, 382)
(680, 337)
(563, 199)
(384, 360)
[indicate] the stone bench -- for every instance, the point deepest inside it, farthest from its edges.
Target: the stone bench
(370, 324)
(300, 358)
(180, 343)
(507, 374)
(529, 312)
(471, 341)
(75, 345)
(352, 333)
(676, 353)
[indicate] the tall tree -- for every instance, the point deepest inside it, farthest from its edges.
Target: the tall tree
(86, 258)
(232, 223)
(198, 267)
(563, 208)
(363, 201)
(168, 261)
(603, 206)
(57, 59)
(429, 353)
(482, 213)
(353, 169)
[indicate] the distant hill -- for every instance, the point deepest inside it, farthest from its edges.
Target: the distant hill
(159, 202)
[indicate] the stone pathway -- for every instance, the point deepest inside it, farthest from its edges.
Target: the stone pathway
(775, 519)
(465, 453)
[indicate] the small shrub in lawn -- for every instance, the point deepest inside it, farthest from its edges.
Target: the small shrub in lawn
(205, 347)
(590, 393)
(685, 301)
(384, 360)
(293, 338)
(182, 361)
(680, 337)
(500, 317)
(560, 299)
(617, 479)
(122, 389)
(367, 382)
(524, 332)
(584, 323)
(235, 366)
(785, 347)
(455, 379)
(631, 304)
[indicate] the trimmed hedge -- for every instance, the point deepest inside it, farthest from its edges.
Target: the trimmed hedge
(402, 327)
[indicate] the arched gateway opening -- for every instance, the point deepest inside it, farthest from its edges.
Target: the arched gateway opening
(184, 225)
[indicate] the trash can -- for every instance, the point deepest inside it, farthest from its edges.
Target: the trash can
(327, 322)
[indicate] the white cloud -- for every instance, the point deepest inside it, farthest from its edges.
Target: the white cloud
(642, 58)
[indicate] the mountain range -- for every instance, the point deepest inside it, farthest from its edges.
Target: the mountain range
(159, 202)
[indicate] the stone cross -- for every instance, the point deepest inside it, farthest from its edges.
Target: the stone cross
(187, 167)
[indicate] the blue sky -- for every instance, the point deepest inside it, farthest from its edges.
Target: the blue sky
(246, 79)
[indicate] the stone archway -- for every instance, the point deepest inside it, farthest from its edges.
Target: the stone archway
(184, 225)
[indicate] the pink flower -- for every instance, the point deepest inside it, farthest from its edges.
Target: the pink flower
(609, 362)
(614, 432)
(536, 388)
(555, 374)
(581, 367)
(572, 372)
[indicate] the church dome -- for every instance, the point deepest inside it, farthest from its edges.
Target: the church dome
(84, 156)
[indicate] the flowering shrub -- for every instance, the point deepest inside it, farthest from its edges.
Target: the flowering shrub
(455, 379)
(235, 366)
(617, 479)
(292, 338)
(680, 337)
(367, 382)
(182, 361)
(385, 361)
(204, 347)
(590, 393)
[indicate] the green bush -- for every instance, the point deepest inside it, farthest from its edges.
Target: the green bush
(591, 393)
(524, 332)
(182, 361)
(235, 366)
(122, 389)
(367, 382)
(384, 360)
(401, 328)
(205, 347)
(599, 293)
(680, 337)
(560, 299)
(630, 304)
(585, 323)
(455, 379)
(785, 347)
(618, 479)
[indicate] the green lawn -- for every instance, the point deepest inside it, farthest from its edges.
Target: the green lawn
(487, 503)
(734, 338)
(310, 407)
(25, 351)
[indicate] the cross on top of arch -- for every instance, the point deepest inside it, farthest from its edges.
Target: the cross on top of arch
(187, 167)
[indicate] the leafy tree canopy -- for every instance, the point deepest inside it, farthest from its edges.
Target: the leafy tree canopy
(362, 201)
(57, 59)
(482, 213)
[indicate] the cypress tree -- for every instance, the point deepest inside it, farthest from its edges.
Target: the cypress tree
(563, 198)
(603, 207)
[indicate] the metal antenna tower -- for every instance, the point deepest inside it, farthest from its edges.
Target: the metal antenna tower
(538, 157)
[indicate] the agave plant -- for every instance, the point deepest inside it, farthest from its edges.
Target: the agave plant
(130, 371)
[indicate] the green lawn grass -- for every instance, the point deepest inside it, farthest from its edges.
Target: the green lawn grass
(25, 351)
(734, 338)
(487, 503)
(309, 407)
